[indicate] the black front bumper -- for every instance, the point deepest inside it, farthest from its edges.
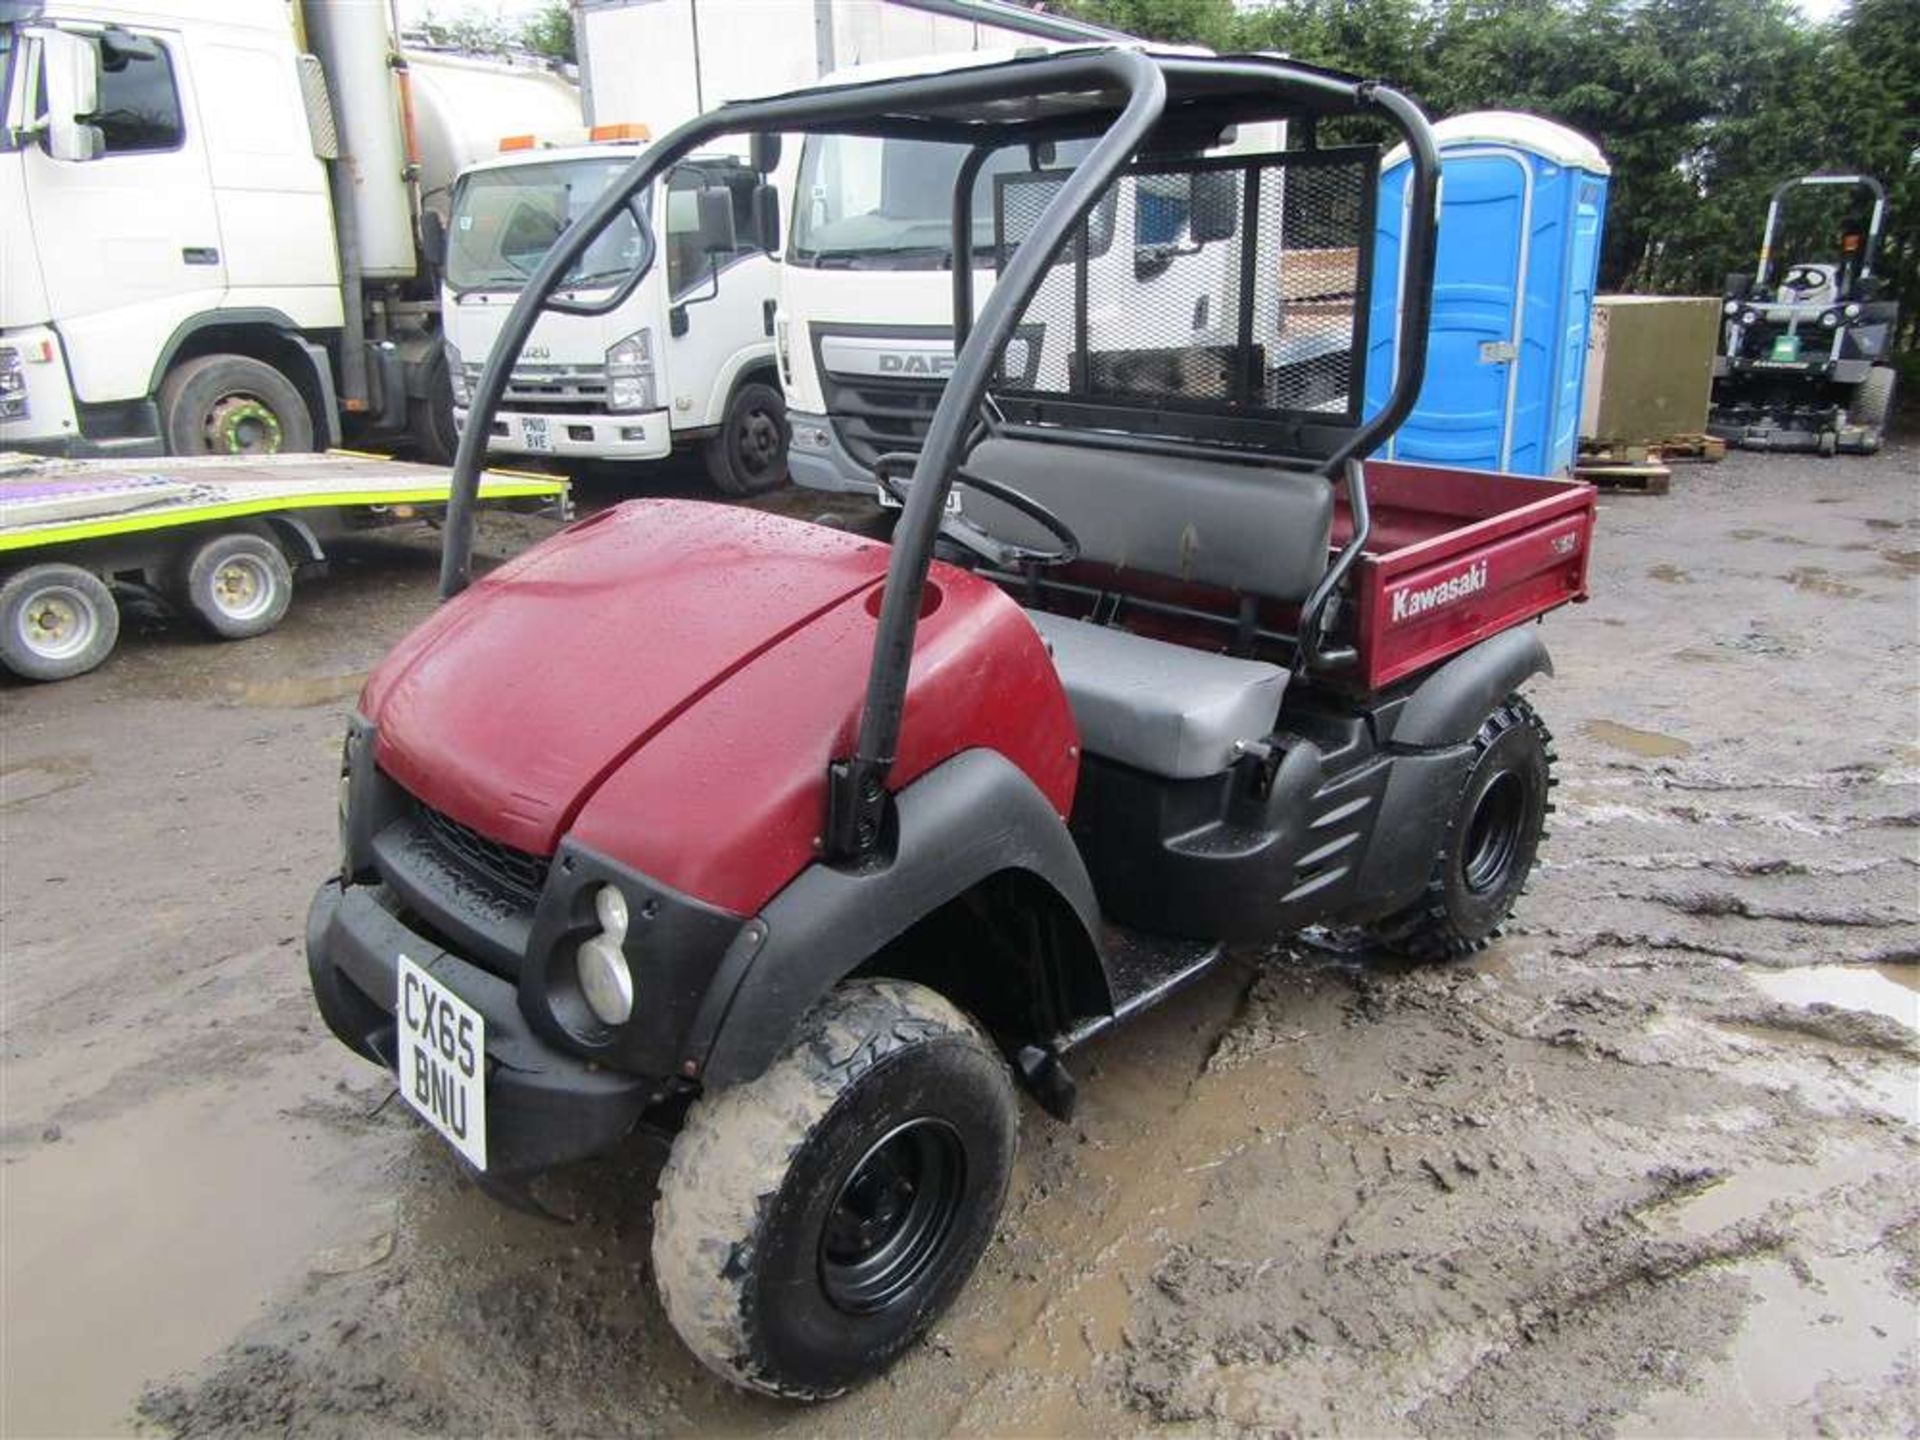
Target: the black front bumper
(544, 1106)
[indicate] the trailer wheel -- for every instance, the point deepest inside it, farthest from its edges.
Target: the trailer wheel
(749, 454)
(1873, 401)
(59, 621)
(813, 1222)
(1490, 843)
(232, 405)
(238, 585)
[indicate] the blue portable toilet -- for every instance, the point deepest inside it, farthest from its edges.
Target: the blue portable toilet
(1522, 200)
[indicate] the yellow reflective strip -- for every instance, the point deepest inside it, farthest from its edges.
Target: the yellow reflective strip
(164, 519)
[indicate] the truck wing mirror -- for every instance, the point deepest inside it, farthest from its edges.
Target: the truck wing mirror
(764, 152)
(433, 238)
(70, 72)
(1214, 212)
(716, 234)
(118, 46)
(766, 217)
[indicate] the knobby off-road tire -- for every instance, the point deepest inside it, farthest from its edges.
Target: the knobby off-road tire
(1498, 821)
(814, 1222)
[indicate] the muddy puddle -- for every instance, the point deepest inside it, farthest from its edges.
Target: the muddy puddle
(1889, 990)
(213, 1198)
(296, 691)
(1648, 744)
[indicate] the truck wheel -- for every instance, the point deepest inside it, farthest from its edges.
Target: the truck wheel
(814, 1222)
(232, 405)
(1490, 843)
(238, 585)
(430, 416)
(1873, 401)
(59, 621)
(749, 455)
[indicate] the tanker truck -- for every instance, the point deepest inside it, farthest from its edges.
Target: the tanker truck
(217, 223)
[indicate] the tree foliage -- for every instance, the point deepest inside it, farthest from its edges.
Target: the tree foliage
(1702, 106)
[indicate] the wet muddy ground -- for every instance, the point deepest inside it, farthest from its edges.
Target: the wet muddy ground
(1648, 1166)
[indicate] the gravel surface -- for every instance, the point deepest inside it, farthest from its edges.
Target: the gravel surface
(1648, 1166)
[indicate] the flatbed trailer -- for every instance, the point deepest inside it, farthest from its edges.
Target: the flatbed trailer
(216, 537)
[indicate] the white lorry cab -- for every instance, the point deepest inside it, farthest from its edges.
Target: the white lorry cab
(213, 222)
(863, 331)
(684, 357)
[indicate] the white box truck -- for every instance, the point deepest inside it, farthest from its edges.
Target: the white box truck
(680, 356)
(212, 217)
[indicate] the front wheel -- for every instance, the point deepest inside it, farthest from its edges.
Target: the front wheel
(749, 454)
(232, 405)
(815, 1221)
(1490, 844)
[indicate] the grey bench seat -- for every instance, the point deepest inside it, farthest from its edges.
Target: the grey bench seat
(1159, 707)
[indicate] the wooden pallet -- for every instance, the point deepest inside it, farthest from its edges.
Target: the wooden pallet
(1703, 448)
(1649, 477)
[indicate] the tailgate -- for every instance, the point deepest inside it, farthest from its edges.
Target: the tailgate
(1427, 600)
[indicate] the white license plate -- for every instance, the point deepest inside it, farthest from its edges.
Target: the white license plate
(533, 433)
(443, 1060)
(887, 502)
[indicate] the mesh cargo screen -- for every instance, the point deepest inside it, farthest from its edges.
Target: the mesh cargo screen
(1213, 298)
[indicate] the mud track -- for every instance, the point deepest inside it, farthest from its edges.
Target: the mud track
(1647, 1166)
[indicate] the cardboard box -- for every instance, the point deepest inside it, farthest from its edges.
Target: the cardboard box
(1649, 367)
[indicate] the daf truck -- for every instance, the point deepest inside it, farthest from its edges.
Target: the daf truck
(215, 220)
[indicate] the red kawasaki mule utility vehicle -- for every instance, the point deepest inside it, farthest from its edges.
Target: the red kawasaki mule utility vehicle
(810, 848)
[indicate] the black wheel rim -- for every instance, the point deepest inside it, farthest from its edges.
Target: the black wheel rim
(757, 442)
(892, 1216)
(1493, 832)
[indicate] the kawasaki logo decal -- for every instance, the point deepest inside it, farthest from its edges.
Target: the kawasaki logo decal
(1409, 603)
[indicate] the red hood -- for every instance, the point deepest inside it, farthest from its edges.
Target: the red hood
(510, 706)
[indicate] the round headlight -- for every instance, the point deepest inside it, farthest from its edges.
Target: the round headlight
(1749, 317)
(1828, 319)
(1732, 307)
(605, 979)
(610, 908)
(1853, 312)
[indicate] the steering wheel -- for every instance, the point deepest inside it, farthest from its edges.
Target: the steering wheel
(1006, 554)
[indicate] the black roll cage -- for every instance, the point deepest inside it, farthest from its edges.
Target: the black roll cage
(1123, 95)
(1777, 200)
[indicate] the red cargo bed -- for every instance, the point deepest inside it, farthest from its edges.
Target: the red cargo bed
(1458, 555)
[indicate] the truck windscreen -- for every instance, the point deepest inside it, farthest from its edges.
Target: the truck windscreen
(505, 220)
(867, 203)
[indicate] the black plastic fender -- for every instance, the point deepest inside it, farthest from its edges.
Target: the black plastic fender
(1431, 751)
(968, 818)
(1447, 707)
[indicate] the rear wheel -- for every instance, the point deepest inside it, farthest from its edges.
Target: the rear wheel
(232, 405)
(749, 454)
(1490, 844)
(56, 621)
(815, 1221)
(238, 585)
(1873, 401)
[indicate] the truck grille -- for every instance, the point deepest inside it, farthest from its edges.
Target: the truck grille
(873, 415)
(552, 388)
(514, 871)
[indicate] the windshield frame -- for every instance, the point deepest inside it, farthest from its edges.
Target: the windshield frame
(935, 254)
